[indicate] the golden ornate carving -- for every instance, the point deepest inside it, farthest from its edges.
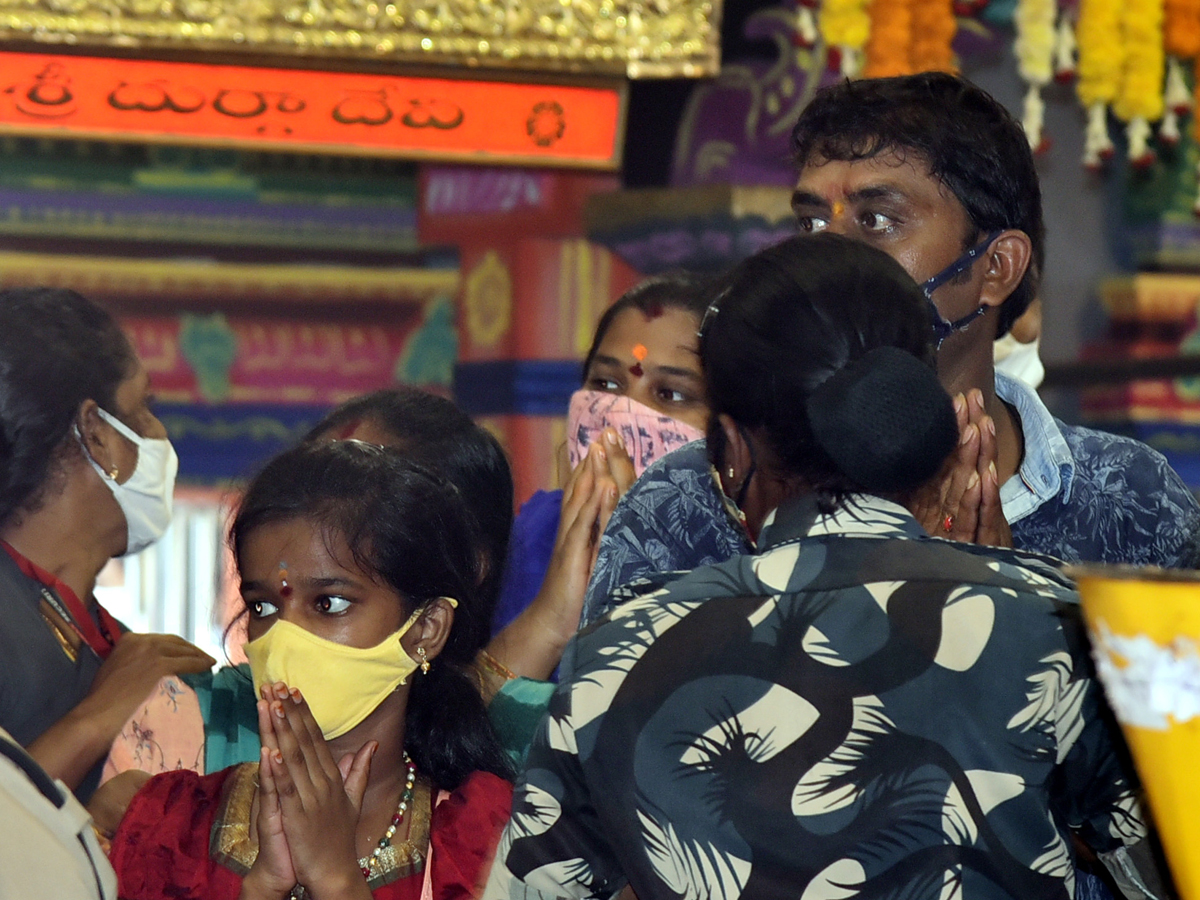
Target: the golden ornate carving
(639, 38)
(489, 299)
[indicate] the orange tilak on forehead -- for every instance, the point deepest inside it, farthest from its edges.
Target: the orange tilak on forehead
(639, 352)
(838, 207)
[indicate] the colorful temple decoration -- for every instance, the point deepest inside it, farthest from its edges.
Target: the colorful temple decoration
(232, 391)
(60, 192)
(1151, 316)
(531, 292)
(246, 357)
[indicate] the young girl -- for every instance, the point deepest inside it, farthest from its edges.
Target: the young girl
(380, 775)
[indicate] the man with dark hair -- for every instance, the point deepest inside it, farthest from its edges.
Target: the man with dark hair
(936, 173)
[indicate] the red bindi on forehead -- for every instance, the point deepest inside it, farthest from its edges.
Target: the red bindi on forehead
(654, 311)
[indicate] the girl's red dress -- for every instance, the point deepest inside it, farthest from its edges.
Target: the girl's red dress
(188, 837)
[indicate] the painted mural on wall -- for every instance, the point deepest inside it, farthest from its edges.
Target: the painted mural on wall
(234, 390)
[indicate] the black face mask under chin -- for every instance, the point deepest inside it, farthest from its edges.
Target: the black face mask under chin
(942, 328)
(740, 500)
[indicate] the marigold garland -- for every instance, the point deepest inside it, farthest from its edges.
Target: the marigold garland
(1181, 28)
(844, 24)
(891, 34)
(1034, 47)
(1117, 48)
(1140, 98)
(1101, 59)
(933, 29)
(909, 36)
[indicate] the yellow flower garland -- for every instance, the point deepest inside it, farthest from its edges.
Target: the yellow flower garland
(1140, 95)
(1140, 98)
(1101, 51)
(1101, 59)
(845, 24)
(933, 28)
(1034, 47)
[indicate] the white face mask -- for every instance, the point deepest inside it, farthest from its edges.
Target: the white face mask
(147, 496)
(1020, 361)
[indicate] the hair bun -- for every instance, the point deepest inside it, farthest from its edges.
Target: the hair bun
(885, 420)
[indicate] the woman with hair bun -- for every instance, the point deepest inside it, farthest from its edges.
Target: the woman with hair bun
(856, 710)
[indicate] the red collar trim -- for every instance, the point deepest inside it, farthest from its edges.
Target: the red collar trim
(101, 638)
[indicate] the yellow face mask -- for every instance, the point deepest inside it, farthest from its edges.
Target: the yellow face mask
(343, 685)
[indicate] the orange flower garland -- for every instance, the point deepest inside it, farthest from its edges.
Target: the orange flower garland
(1181, 28)
(933, 29)
(910, 36)
(891, 34)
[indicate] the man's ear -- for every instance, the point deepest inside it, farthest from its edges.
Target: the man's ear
(738, 458)
(432, 629)
(97, 436)
(1008, 259)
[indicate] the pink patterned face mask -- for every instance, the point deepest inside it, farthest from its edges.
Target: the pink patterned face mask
(647, 433)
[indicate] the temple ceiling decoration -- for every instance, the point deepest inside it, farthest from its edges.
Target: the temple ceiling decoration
(632, 38)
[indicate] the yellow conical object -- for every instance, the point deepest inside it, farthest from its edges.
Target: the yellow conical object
(1145, 627)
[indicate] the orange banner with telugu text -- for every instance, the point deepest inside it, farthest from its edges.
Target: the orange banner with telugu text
(311, 111)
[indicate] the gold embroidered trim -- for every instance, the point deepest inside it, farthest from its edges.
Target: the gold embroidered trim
(490, 675)
(234, 844)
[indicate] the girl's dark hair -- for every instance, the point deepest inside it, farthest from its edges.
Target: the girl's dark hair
(57, 349)
(824, 344)
(671, 290)
(969, 141)
(410, 527)
(434, 432)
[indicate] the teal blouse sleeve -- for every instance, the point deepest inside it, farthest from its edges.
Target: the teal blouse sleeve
(516, 711)
(227, 703)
